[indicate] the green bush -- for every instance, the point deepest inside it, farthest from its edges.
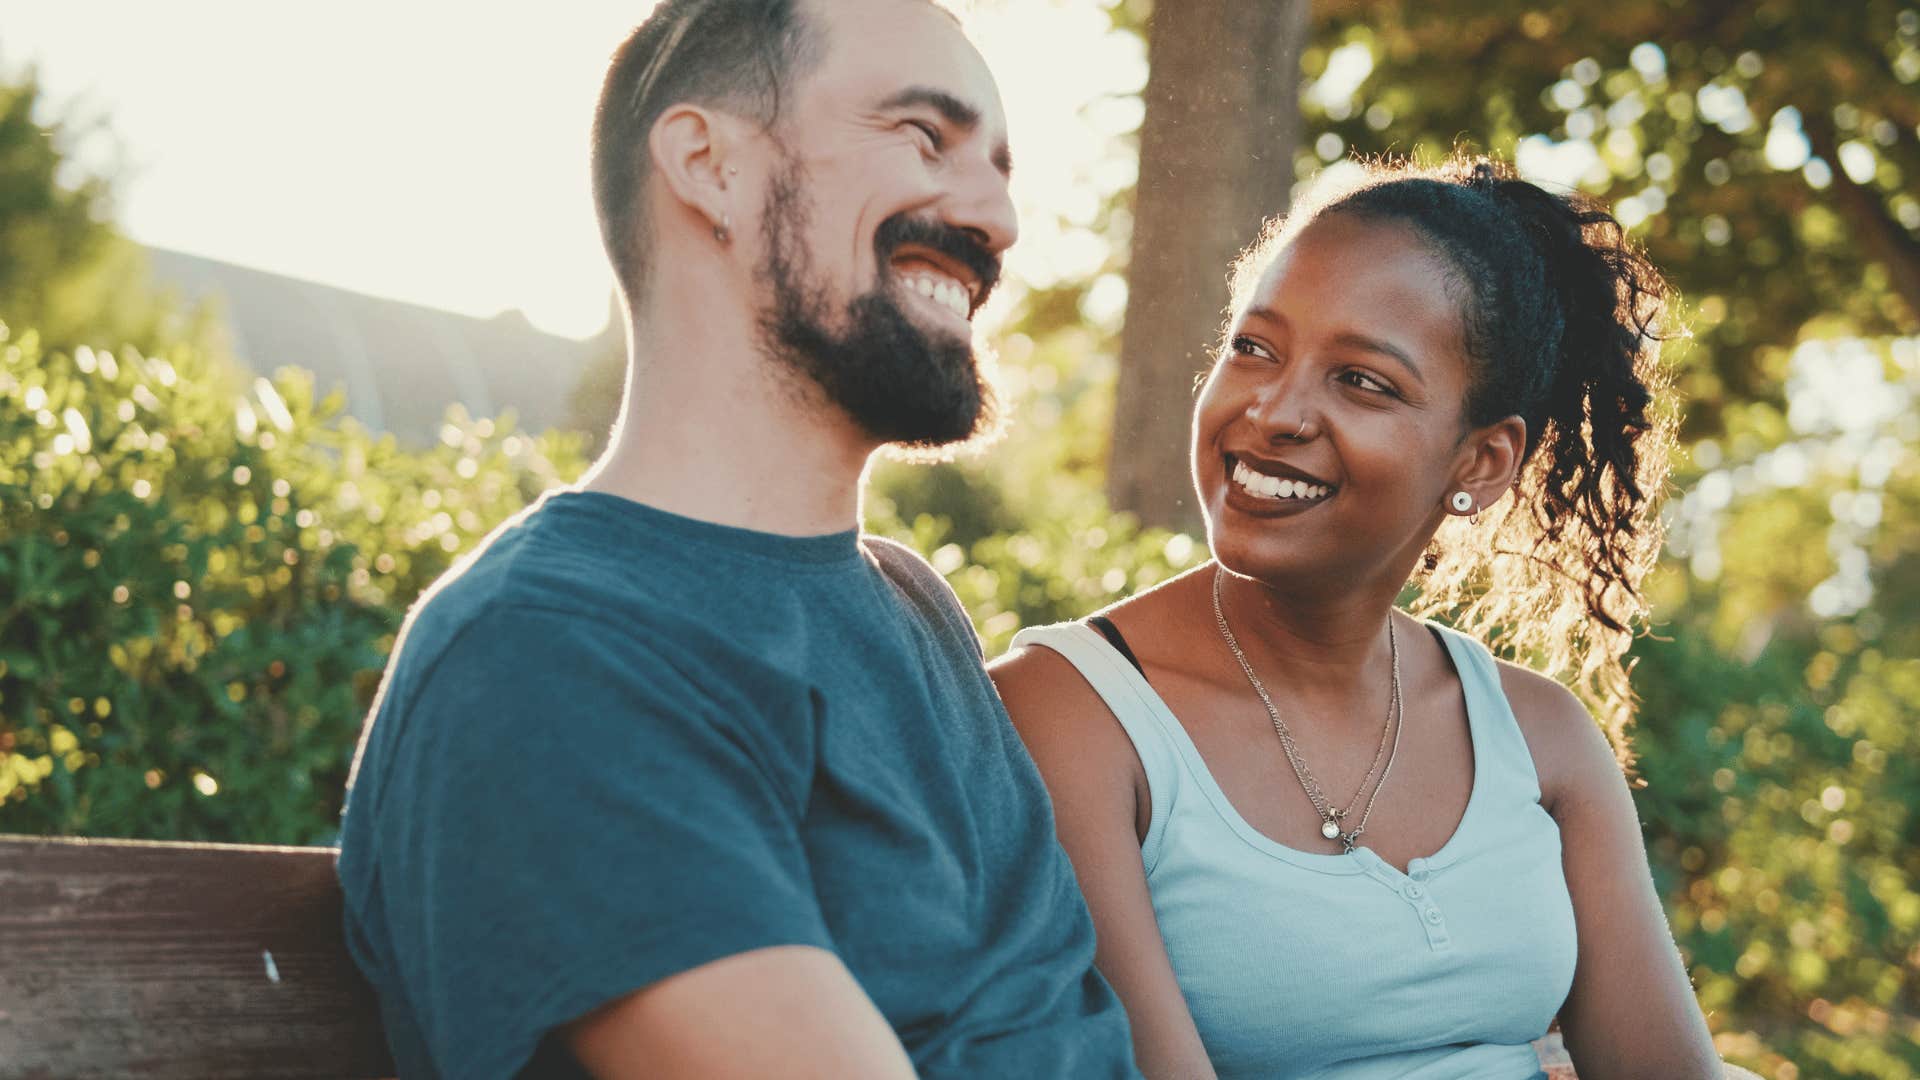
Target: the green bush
(1077, 560)
(201, 577)
(199, 583)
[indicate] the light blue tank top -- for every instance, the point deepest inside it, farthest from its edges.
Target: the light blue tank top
(1310, 966)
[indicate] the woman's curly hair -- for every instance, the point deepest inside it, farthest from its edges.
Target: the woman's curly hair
(1562, 317)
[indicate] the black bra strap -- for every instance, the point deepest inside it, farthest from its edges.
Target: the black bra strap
(1119, 643)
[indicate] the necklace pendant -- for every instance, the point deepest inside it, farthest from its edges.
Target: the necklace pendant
(1330, 830)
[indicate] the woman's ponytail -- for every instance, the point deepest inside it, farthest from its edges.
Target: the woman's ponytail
(1562, 319)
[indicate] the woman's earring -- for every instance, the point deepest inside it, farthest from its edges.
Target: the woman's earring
(1462, 502)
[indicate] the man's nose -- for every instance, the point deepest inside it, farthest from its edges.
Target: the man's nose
(981, 204)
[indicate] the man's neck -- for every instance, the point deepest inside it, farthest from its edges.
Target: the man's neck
(712, 431)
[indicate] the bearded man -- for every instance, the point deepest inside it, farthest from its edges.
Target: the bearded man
(680, 775)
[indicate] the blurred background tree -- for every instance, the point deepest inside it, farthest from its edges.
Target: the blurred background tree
(63, 266)
(1220, 125)
(1762, 150)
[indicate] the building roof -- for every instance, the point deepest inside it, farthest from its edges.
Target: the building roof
(400, 364)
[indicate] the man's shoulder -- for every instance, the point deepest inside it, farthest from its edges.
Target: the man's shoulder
(521, 616)
(479, 596)
(924, 586)
(905, 567)
(896, 560)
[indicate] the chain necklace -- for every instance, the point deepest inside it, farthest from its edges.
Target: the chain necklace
(1330, 815)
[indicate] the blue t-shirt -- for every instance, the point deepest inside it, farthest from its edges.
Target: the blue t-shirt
(619, 744)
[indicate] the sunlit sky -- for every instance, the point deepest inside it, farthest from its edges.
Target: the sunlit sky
(437, 152)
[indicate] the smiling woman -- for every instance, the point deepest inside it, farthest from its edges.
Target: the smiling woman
(1423, 347)
(1558, 327)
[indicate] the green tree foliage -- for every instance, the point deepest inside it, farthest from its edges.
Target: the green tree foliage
(1763, 150)
(1777, 735)
(63, 267)
(200, 575)
(199, 583)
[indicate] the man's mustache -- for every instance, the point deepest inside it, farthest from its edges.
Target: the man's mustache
(957, 244)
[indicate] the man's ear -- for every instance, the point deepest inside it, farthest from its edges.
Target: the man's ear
(689, 146)
(1492, 462)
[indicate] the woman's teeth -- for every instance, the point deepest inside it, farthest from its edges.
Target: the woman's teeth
(943, 291)
(1273, 487)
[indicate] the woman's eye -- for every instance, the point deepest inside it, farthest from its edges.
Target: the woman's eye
(1245, 346)
(1367, 382)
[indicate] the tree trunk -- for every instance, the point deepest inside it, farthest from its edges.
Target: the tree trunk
(1216, 159)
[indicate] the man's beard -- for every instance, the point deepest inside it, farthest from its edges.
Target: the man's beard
(899, 382)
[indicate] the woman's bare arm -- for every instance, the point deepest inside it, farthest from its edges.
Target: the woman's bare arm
(1631, 1012)
(1098, 790)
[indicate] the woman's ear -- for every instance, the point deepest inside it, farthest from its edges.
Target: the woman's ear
(688, 147)
(1491, 464)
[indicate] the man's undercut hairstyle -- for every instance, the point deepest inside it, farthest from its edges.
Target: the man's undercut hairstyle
(737, 55)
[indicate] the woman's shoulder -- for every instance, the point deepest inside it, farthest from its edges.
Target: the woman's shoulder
(1036, 670)
(1046, 689)
(1570, 752)
(1038, 658)
(1080, 744)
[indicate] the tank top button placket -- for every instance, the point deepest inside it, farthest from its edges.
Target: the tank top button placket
(1414, 888)
(1419, 896)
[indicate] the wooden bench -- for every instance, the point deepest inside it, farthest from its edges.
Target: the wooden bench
(195, 961)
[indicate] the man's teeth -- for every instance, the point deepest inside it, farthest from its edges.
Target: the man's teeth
(944, 291)
(1273, 487)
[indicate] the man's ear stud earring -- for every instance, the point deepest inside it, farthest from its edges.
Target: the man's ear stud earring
(723, 232)
(1462, 502)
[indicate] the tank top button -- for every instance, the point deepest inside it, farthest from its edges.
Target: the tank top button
(1415, 892)
(1433, 916)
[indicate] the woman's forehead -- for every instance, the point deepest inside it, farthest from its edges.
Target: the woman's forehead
(1357, 259)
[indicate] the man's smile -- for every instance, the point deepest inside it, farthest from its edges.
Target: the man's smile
(939, 278)
(944, 291)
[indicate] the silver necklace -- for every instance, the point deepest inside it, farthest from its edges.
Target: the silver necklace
(1330, 815)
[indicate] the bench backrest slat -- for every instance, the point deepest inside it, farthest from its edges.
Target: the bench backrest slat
(178, 960)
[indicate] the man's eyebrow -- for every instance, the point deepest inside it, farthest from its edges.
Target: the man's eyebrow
(1375, 345)
(956, 112)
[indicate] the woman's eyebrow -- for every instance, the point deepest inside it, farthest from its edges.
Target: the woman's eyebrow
(1360, 341)
(1352, 339)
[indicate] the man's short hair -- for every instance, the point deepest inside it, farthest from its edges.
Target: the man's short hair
(740, 55)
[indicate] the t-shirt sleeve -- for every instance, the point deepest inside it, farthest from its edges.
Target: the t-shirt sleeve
(924, 586)
(571, 815)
